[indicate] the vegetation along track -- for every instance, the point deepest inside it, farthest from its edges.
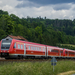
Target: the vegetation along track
(24, 60)
(31, 60)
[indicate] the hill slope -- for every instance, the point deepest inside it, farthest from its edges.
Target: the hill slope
(44, 31)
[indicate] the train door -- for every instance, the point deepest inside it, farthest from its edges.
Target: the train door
(47, 51)
(60, 53)
(66, 53)
(24, 49)
(63, 52)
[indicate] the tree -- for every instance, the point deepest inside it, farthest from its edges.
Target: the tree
(7, 24)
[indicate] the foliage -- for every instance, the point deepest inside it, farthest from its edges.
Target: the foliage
(68, 46)
(44, 31)
(36, 68)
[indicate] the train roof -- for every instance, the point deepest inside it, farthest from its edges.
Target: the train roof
(70, 50)
(52, 47)
(29, 42)
(38, 44)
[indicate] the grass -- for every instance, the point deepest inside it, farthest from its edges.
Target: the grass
(68, 45)
(36, 68)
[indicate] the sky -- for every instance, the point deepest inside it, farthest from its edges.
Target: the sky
(51, 9)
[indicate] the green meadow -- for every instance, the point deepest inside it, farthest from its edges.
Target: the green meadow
(37, 68)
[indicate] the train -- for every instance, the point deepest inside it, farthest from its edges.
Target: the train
(14, 48)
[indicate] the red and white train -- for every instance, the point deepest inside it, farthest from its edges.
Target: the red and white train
(13, 48)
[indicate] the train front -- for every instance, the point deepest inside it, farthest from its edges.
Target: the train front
(5, 46)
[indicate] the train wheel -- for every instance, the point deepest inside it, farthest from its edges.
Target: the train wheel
(7, 58)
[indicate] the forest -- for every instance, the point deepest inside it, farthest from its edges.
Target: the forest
(39, 30)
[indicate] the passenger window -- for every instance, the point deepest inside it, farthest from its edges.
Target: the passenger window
(61, 51)
(21, 46)
(40, 49)
(29, 47)
(36, 48)
(71, 52)
(56, 51)
(18, 46)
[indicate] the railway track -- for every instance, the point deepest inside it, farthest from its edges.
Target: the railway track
(31, 60)
(24, 60)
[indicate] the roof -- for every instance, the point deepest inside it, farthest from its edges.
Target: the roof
(17, 37)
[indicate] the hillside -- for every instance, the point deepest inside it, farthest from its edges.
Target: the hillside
(44, 31)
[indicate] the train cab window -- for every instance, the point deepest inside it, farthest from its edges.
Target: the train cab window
(6, 44)
(21, 46)
(18, 46)
(29, 47)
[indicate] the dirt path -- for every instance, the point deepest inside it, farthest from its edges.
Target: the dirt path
(67, 73)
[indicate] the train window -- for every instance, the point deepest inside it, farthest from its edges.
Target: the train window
(29, 47)
(36, 48)
(6, 44)
(18, 46)
(71, 53)
(61, 51)
(40, 49)
(56, 51)
(66, 52)
(21, 46)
